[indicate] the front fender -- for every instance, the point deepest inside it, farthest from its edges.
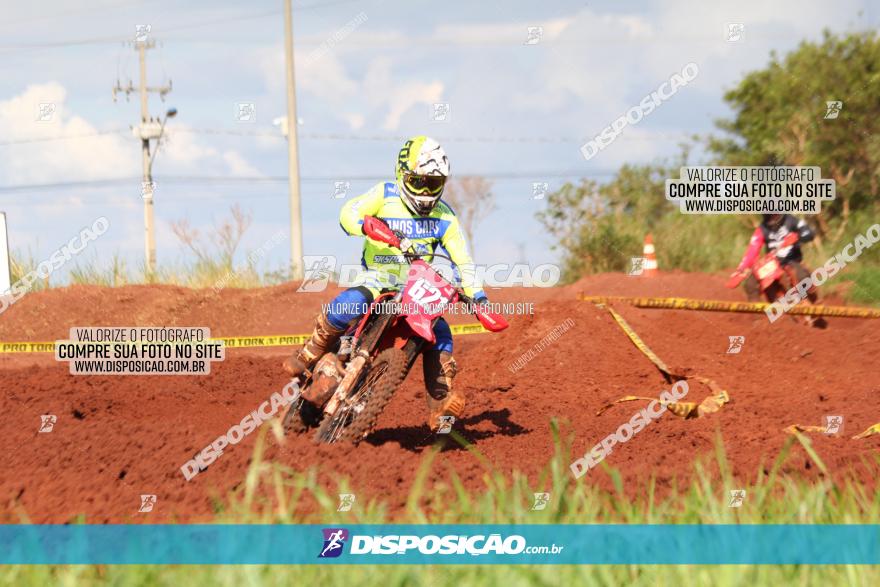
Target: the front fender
(421, 325)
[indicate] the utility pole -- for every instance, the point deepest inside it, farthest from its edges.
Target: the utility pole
(296, 250)
(147, 185)
(148, 129)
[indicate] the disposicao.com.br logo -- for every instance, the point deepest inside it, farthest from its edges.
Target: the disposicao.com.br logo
(451, 544)
(334, 541)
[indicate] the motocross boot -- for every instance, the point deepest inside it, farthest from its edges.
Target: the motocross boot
(322, 339)
(443, 400)
(798, 273)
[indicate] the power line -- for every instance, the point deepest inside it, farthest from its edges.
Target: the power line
(349, 137)
(381, 138)
(184, 179)
(277, 12)
(182, 27)
(68, 43)
(401, 138)
(489, 139)
(56, 14)
(63, 137)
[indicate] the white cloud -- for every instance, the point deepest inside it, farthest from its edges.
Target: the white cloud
(84, 157)
(327, 78)
(355, 120)
(406, 94)
(512, 33)
(183, 150)
(237, 165)
(592, 66)
(76, 152)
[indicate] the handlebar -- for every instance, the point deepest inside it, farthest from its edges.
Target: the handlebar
(407, 255)
(377, 229)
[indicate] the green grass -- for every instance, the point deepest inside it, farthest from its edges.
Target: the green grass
(866, 285)
(20, 264)
(91, 273)
(212, 274)
(200, 273)
(271, 492)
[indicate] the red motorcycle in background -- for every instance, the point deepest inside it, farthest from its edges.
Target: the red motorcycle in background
(769, 273)
(348, 388)
(774, 280)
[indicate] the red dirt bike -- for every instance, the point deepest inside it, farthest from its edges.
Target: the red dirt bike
(769, 273)
(348, 388)
(774, 279)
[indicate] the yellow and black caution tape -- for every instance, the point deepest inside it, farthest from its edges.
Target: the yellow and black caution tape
(230, 342)
(467, 328)
(724, 306)
(875, 429)
(801, 428)
(872, 430)
(687, 410)
(720, 397)
(640, 344)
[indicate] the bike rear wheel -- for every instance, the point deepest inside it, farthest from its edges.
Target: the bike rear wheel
(357, 415)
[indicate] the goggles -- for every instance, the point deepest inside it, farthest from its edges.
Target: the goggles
(424, 184)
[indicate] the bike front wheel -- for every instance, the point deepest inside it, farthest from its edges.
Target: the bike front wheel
(355, 418)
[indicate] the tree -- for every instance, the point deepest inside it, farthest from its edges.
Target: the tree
(601, 227)
(226, 238)
(472, 199)
(780, 119)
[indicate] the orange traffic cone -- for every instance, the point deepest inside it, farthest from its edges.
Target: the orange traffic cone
(650, 264)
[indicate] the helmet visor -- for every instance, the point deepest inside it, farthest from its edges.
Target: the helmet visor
(424, 185)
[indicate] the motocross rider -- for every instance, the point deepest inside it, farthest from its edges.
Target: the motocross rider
(411, 205)
(771, 232)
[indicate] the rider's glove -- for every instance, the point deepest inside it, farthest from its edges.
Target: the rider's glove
(480, 299)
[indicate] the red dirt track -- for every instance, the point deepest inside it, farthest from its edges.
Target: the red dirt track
(119, 437)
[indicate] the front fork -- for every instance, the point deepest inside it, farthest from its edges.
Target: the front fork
(359, 366)
(353, 371)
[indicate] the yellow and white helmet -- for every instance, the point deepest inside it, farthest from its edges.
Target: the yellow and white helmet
(422, 169)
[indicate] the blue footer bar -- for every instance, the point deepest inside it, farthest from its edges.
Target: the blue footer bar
(440, 544)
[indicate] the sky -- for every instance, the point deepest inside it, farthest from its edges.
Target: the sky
(368, 74)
